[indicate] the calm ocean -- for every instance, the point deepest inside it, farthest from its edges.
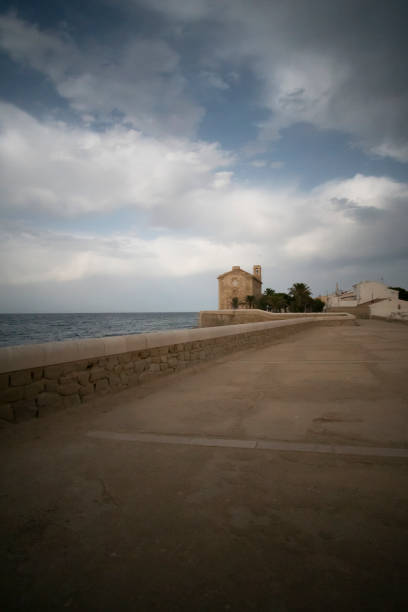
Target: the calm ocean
(33, 328)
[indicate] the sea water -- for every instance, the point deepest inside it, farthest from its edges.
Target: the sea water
(18, 329)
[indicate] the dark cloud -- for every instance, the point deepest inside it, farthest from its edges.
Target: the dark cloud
(344, 59)
(361, 214)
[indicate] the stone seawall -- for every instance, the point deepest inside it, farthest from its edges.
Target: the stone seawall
(212, 318)
(42, 378)
(362, 311)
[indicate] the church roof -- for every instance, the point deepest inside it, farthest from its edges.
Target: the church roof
(240, 271)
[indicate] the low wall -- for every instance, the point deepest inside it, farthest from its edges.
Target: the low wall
(212, 318)
(389, 309)
(362, 311)
(40, 378)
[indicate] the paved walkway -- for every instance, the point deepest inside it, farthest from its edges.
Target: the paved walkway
(275, 479)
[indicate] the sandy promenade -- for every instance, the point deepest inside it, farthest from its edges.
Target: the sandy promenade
(275, 479)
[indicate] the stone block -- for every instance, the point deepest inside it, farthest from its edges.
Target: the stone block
(156, 359)
(124, 378)
(163, 366)
(144, 354)
(203, 355)
(102, 385)
(86, 389)
(86, 399)
(25, 410)
(187, 355)
(114, 380)
(173, 361)
(4, 381)
(31, 391)
(82, 365)
(83, 378)
(7, 412)
(111, 363)
(37, 373)
(172, 348)
(46, 399)
(12, 394)
(125, 358)
(51, 385)
(163, 358)
(54, 372)
(67, 378)
(68, 368)
(139, 367)
(68, 388)
(71, 401)
(163, 350)
(97, 374)
(154, 367)
(20, 378)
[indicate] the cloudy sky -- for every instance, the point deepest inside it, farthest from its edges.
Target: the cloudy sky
(146, 146)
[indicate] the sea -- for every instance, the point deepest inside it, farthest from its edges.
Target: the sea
(16, 329)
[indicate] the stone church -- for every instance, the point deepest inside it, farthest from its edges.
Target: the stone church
(238, 283)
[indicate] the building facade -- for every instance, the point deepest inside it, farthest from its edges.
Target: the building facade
(364, 292)
(371, 298)
(238, 284)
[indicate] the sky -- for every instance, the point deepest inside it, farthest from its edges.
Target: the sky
(147, 146)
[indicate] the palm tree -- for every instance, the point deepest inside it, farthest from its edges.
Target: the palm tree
(301, 296)
(269, 292)
(250, 300)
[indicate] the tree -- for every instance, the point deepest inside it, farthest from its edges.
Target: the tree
(235, 302)
(402, 293)
(250, 299)
(275, 302)
(301, 297)
(316, 305)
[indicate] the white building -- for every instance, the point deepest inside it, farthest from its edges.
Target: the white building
(380, 300)
(368, 291)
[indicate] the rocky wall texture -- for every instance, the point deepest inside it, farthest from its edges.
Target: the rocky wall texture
(37, 391)
(362, 311)
(214, 318)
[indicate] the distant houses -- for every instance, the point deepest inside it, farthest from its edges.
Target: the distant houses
(368, 299)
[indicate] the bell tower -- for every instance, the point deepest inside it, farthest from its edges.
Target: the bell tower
(257, 272)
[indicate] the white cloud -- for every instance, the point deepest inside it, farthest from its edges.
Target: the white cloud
(201, 218)
(67, 171)
(32, 257)
(258, 163)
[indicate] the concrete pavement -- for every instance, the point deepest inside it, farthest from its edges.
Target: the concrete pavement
(165, 512)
